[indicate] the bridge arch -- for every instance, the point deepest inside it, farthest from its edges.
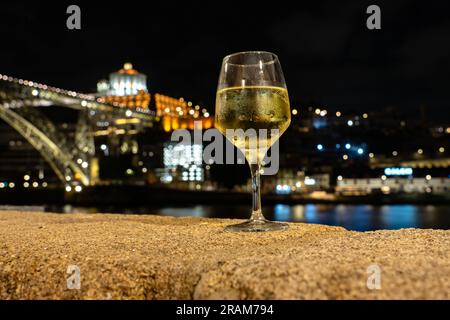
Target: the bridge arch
(17, 95)
(60, 159)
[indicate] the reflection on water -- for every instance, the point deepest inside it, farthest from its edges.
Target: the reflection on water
(397, 216)
(352, 217)
(367, 217)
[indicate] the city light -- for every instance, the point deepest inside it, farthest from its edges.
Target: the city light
(386, 189)
(127, 121)
(184, 165)
(309, 181)
(283, 189)
(166, 179)
(11, 185)
(186, 159)
(398, 171)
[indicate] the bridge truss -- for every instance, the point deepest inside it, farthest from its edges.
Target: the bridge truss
(19, 102)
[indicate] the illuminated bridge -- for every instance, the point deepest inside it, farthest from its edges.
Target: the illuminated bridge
(19, 102)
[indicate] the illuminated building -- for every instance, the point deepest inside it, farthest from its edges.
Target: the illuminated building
(140, 100)
(127, 81)
(421, 163)
(392, 185)
(287, 181)
(103, 87)
(182, 163)
(126, 88)
(179, 114)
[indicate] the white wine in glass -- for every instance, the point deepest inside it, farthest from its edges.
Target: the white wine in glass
(252, 97)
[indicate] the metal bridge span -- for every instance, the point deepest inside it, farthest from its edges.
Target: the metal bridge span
(19, 102)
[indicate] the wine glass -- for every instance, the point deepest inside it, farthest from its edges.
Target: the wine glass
(252, 111)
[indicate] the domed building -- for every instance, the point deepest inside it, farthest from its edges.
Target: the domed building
(128, 88)
(127, 81)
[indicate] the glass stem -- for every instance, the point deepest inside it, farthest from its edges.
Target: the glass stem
(256, 192)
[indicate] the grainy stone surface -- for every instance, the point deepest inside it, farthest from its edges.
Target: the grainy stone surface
(151, 257)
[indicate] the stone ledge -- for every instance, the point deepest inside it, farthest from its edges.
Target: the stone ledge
(152, 257)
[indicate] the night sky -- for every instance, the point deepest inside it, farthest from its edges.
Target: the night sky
(328, 55)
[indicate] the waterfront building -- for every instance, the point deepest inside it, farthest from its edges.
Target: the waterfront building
(183, 165)
(288, 181)
(389, 185)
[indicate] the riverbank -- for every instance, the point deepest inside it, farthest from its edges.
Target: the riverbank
(124, 195)
(153, 257)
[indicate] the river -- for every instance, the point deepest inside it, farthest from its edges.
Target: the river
(352, 217)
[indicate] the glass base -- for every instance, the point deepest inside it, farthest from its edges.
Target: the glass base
(257, 226)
